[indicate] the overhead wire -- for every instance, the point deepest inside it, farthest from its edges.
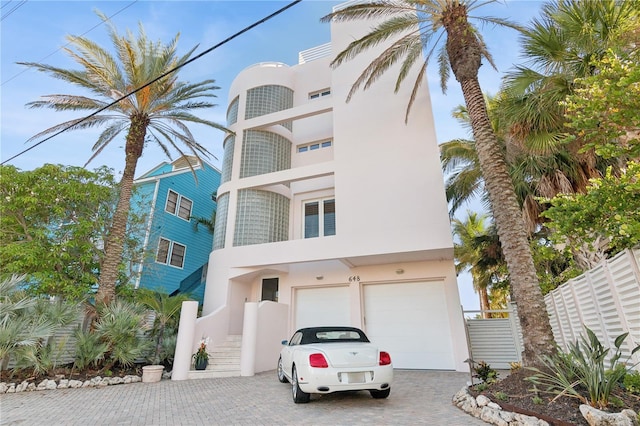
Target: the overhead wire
(209, 50)
(62, 47)
(16, 7)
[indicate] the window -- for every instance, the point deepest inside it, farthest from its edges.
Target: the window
(178, 205)
(172, 202)
(163, 250)
(319, 218)
(320, 93)
(270, 289)
(185, 208)
(170, 252)
(314, 146)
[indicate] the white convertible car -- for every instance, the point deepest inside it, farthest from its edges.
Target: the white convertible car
(333, 359)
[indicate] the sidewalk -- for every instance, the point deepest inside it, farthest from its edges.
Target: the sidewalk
(417, 397)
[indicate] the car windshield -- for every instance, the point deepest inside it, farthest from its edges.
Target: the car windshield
(331, 335)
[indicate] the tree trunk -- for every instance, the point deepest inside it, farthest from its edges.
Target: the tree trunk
(465, 54)
(484, 301)
(115, 239)
(536, 329)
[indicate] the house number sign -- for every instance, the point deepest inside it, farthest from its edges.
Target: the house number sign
(354, 278)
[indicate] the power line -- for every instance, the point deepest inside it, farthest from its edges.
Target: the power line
(12, 9)
(62, 47)
(209, 50)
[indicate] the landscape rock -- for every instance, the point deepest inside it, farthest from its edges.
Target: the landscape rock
(61, 383)
(595, 417)
(490, 412)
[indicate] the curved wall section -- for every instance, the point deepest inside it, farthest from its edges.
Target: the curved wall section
(262, 217)
(220, 230)
(227, 159)
(263, 152)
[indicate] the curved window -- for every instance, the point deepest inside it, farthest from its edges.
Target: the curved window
(232, 112)
(267, 99)
(227, 159)
(264, 152)
(262, 217)
(220, 230)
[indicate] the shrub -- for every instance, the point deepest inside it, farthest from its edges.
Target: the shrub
(484, 372)
(631, 382)
(119, 325)
(583, 365)
(90, 351)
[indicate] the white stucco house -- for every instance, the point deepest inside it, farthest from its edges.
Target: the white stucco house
(329, 213)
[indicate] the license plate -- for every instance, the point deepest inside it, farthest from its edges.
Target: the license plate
(355, 377)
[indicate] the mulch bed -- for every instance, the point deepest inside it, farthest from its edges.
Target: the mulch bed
(563, 411)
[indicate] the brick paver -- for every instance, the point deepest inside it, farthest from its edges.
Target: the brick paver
(417, 397)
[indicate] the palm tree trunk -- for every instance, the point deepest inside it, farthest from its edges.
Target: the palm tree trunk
(115, 240)
(534, 320)
(465, 55)
(484, 302)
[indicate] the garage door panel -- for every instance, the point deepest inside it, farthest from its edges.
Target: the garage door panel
(411, 321)
(322, 306)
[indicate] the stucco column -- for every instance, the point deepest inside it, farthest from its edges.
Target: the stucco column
(184, 342)
(249, 339)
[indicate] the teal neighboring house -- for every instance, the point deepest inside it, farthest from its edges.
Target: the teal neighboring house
(176, 248)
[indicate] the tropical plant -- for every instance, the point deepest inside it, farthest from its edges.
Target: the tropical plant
(442, 26)
(584, 365)
(156, 112)
(201, 354)
(209, 223)
(167, 311)
(90, 350)
(21, 324)
(121, 325)
(559, 47)
(49, 352)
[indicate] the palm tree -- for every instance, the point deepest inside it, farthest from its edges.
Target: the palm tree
(166, 309)
(156, 113)
(478, 251)
(559, 47)
(443, 26)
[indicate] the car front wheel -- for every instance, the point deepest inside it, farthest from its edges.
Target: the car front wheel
(281, 377)
(380, 394)
(299, 397)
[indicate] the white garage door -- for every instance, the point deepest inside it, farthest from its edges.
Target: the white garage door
(322, 306)
(411, 321)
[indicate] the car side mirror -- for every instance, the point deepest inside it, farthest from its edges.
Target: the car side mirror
(285, 342)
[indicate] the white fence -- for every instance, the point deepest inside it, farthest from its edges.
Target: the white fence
(606, 299)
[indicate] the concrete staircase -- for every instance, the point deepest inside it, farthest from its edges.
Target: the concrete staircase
(224, 360)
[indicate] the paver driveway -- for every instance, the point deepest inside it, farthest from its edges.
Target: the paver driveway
(417, 397)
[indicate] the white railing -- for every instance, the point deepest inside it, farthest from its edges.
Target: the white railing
(314, 53)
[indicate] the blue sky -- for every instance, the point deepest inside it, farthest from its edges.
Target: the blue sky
(35, 32)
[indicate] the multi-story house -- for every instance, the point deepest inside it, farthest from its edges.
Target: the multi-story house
(331, 213)
(175, 247)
